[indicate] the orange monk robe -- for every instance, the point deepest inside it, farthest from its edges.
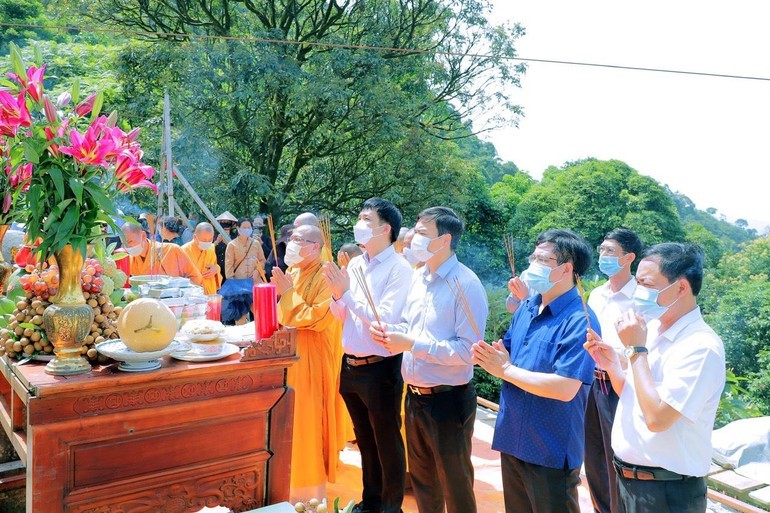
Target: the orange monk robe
(306, 307)
(344, 422)
(202, 259)
(169, 259)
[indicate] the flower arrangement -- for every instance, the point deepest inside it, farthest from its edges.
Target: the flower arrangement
(61, 161)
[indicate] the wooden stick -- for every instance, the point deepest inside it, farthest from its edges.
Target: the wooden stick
(509, 248)
(262, 275)
(271, 228)
(359, 274)
(465, 307)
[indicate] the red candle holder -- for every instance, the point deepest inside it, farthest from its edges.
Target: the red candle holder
(265, 310)
(124, 264)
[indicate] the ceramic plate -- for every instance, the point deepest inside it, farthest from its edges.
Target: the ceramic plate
(192, 356)
(131, 361)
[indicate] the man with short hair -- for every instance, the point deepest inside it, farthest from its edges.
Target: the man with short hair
(546, 380)
(670, 392)
(306, 218)
(609, 301)
(150, 257)
(370, 379)
(201, 252)
(436, 334)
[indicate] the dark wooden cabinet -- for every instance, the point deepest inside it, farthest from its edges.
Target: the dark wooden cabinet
(173, 440)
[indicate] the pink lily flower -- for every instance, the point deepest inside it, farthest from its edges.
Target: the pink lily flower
(132, 174)
(7, 202)
(33, 82)
(50, 110)
(21, 177)
(13, 114)
(88, 149)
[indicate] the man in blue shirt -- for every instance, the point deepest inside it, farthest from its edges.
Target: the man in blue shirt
(547, 378)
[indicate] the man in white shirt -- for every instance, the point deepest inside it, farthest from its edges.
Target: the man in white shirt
(609, 301)
(669, 396)
(370, 379)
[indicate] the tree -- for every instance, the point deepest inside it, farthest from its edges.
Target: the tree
(273, 117)
(593, 197)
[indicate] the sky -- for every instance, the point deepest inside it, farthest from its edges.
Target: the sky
(708, 138)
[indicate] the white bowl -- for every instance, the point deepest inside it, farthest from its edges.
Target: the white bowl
(202, 330)
(132, 361)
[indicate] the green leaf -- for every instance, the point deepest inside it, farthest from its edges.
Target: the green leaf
(66, 226)
(77, 188)
(75, 91)
(98, 102)
(17, 62)
(30, 153)
(38, 55)
(58, 180)
(29, 325)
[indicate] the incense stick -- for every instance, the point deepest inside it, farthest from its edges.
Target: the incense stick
(509, 248)
(359, 275)
(262, 275)
(465, 307)
(581, 291)
(271, 228)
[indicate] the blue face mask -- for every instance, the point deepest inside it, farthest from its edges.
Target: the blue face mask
(609, 265)
(538, 277)
(646, 302)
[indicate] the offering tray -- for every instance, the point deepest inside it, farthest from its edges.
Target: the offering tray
(131, 361)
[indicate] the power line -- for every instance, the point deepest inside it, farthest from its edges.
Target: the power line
(245, 39)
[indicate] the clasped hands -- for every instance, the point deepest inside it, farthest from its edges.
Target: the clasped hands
(393, 341)
(282, 281)
(337, 279)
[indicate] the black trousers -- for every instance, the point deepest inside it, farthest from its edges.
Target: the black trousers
(530, 488)
(600, 472)
(373, 394)
(439, 428)
(684, 496)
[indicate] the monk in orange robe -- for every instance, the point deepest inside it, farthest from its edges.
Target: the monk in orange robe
(201, 252)
(150, 257)
(304, 304)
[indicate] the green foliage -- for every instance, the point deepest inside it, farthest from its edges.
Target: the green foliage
(593, 197)
(730, 236)
(759, 382)
(711, 244)
(734, 404)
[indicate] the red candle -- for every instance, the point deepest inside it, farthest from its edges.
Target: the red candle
(265, 310)
(214, 307)
(124, 264)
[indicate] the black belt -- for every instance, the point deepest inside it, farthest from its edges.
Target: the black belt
(601, 374)
(642, 473)
(438, 389)
(357, 361)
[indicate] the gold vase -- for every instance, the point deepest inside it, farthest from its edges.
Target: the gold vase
(67, 321)
(5, 268)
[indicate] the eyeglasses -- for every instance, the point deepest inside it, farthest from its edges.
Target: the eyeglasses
(300, 241)
(607, 250)
(540, 259)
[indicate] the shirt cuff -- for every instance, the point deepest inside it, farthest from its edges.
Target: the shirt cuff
(420, 348)
(345, 300)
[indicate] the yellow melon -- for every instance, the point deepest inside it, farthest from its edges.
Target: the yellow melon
(146, 324)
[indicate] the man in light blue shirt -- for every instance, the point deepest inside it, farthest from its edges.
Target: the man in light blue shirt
(445, 313)
(370, 380)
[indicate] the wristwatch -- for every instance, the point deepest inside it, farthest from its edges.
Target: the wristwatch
(631, 351)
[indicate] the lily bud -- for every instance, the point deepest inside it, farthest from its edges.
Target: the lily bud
(112, 119)
(50, 110)
(64, 99)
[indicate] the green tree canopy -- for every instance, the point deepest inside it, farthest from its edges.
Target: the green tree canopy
(593, 197)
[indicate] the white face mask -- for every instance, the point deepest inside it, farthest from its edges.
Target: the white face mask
(293, 256)
(420, 249)
(362, 233)
(245, 232)
(204, 245)
(134, 250)
(409, 255)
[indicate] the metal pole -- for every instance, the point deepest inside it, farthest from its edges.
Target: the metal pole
(169, 160)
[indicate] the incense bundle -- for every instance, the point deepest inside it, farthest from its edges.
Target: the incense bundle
(324, 223)
(465, 307)
(358, 273)
(262, 275)
(508, 239)
(271, 228)
(602, 384)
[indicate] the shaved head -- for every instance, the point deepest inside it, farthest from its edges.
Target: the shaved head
(204, 228)
(306, 219)
(308, 232)
(131, 228)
